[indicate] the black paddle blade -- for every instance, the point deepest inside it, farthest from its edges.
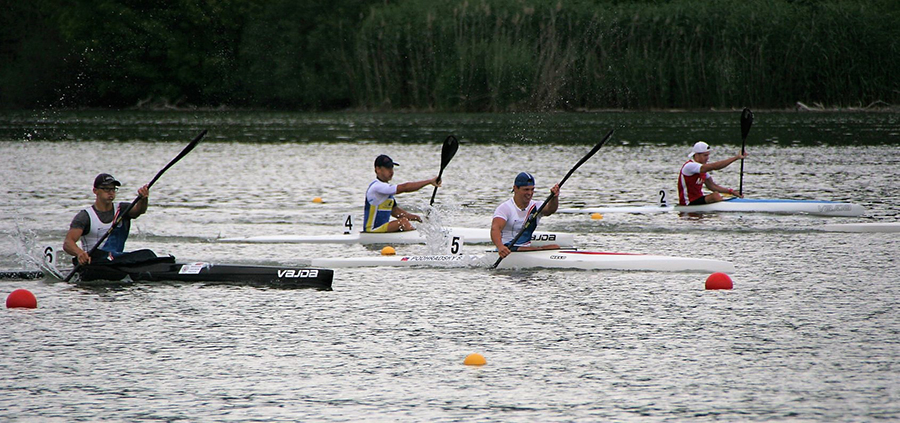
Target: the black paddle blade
(587, 156)
(448, 150)
(183, 153)
(746, 121)
(451, 145)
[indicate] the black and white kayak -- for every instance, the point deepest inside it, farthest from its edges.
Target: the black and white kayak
(156, 269)
(167, 269)
(546, 259)
(736, 204)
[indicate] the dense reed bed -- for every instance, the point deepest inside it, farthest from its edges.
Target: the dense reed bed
(450, 55)
(538, 55)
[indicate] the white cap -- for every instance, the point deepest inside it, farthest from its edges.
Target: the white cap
(699, 147)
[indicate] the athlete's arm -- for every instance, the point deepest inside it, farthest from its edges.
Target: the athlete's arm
(721, 164)
(400, 213)
(497, 225)
(553, 204)
(417, 185)
(70, 245)
(712, 186)
(141, 206)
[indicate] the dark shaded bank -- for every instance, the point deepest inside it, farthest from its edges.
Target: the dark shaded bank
(483, 55)
(632, 128)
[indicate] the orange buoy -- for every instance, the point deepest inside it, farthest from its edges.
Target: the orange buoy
(474, 359)
(596, 216)
(317, 200)
(719, 280)
(21, 298)
(388, 251)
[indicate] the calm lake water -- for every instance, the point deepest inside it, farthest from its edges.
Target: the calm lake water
(810, 332)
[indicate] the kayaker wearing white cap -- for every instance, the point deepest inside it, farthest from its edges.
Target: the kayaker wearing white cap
(696, 172)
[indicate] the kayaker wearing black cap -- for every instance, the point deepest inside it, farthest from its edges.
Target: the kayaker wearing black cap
(90, 224)
(512, 214)
(380, 202)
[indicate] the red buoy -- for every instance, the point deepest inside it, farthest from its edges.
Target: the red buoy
(719, 280)
(21, 298)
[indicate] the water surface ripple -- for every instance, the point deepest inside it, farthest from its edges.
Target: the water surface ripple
(810, 332)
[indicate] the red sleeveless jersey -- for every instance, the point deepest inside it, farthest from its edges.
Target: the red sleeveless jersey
(690, 188)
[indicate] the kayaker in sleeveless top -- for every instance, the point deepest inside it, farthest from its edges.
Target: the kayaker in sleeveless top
(380, 203)
(511, 215)
(696, 172)
(90, 224)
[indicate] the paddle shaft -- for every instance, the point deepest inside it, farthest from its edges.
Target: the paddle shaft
(746, 122)
(121, 216)
(533, 217)
(741, 186)
(434, 193)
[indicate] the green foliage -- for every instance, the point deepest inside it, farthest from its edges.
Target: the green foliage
(473, 55)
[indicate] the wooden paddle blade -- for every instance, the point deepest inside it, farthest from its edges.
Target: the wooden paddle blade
(746, 121)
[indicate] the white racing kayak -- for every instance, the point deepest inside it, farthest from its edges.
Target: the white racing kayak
(550, 259)
(812, 207)
(468, 235)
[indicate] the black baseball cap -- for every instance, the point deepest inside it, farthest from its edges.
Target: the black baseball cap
(524, 179)
(385, 161)
(105, 179)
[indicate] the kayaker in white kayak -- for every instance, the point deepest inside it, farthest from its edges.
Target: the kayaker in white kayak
(696, 173)
(90, 224)
(380, 202)
(512, 214)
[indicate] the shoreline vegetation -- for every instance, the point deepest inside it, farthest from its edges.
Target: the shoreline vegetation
(419, 56)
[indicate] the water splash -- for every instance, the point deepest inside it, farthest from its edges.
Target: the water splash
(437, 238)
(31, 255)
(26, 250)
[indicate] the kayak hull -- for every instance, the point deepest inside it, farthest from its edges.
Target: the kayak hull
(468, 235)
(743, 205)
(549, 259)
(166, 269)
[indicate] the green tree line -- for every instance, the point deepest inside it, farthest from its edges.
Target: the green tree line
(469, 55)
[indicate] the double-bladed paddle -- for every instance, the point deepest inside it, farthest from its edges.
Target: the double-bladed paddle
(121, 215)
(746, 121)
(533, 216)
(451, 144)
